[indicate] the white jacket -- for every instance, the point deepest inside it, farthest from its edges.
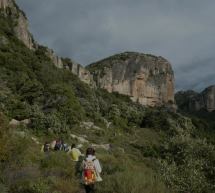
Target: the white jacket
(97, 166)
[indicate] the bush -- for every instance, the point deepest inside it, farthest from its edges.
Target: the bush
(132, 180)
(187, 163)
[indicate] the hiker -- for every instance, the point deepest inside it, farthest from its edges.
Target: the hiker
(91, 170)
(75, 153)
(45, 147)
(58, 145)
(65, 147)
(52, 145)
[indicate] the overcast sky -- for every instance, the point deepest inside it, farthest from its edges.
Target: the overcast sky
(182, 31)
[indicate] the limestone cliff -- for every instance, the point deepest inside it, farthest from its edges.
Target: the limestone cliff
(72, 66)
(57, 61)
(193, 101)
(79, 70)
(6, 3)
(10, 9)
(20, 30)
(147, 79)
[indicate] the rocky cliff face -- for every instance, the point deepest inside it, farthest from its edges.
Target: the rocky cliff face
(22, 33)
(72, 66)
(10, 9)
(147, 79)
(79, 70)
(193, 101)
(57, 61)
(6, 3)
(21, 27)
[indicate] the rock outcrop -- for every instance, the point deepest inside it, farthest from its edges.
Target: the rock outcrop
(10, 9)
(192, 101)
(147, 79)
(79, 70)
(56, 60)
(21, 31)
(70, 65)
(6, 3)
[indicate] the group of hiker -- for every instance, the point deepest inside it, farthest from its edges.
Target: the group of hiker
(56, 145)
(89, 166)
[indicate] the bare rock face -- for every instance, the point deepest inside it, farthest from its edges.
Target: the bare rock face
(6, 3)
(22, 33)
(56, 60)
(10, 9)
(209, 98)
(193, 101)
(147, 79)
(79, 70)
(66, 63)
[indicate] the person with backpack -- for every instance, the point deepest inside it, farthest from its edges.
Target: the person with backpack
(46, 147)
(52, 144)
(91, 170)
(65, 147)
(75, 153)
(58, 145)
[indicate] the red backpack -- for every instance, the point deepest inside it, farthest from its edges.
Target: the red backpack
(89, 173)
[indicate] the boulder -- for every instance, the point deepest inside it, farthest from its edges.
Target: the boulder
(14, 123)
(79, 138)
(102, 146)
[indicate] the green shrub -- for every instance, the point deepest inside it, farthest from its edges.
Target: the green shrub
(132, 180)
(30, 186)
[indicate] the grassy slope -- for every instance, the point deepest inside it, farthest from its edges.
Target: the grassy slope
(152, 150)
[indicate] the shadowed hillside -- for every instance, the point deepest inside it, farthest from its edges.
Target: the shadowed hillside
(141, 149)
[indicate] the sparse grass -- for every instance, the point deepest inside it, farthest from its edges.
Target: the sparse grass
(151, 149)
(132, 180)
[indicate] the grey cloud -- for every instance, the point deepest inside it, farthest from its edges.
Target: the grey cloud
(197, 75)
(89, 30)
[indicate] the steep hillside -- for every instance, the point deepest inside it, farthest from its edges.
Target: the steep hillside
(147, 79)
(142, 150)
(19, 28)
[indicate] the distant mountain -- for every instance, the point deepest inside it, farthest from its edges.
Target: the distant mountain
(191, 101)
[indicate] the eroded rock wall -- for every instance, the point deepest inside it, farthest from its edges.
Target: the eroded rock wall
(56, 60)
(147, 79)
(22, 33)
(79, 70)
(6, 3)
(20, 22)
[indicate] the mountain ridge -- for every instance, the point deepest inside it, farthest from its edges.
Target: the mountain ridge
(143, 87)
(195, 101)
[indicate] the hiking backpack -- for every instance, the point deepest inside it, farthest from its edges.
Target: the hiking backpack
(89, 173)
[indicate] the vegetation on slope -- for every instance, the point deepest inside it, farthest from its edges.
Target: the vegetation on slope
(152, 151)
